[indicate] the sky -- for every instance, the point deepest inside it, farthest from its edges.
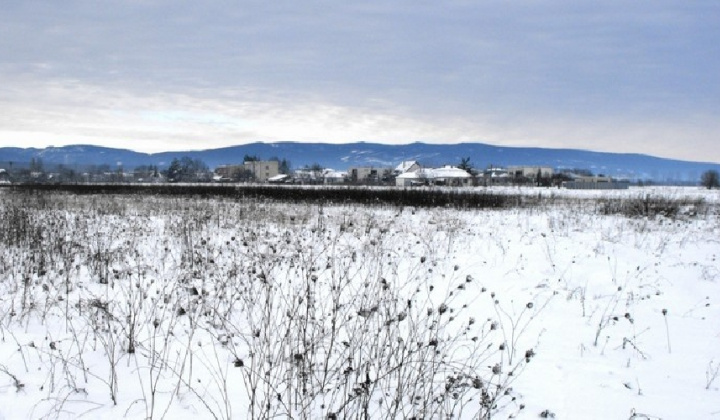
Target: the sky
(157, 75)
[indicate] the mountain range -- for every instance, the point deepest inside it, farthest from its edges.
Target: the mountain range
(344, 156)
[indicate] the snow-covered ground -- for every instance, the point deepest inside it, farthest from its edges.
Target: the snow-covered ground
(167, 307)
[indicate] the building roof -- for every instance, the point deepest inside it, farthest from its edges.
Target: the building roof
(450, 172)
(405, 166)
(278, 177)
(436, 173)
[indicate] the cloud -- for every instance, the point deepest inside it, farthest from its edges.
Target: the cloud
(188, 74)
(74, 113)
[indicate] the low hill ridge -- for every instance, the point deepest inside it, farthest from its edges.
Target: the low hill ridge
(344, 156)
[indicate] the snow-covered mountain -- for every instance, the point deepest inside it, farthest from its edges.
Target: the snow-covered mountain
(343, 156)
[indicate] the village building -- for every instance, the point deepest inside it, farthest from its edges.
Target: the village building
(596, 183)
(407, 166)
(279, 179)
(413, 179)
(308, 176)
(531, 172)
(256, 170)
(447, 175)
(494, 176)
(369, 174)
(262, 170)
(226, 173)
(451, 175)
(333, 177)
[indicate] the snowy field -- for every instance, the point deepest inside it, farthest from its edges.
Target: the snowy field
(169, 307)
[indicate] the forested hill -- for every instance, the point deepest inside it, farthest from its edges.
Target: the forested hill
(343, 156)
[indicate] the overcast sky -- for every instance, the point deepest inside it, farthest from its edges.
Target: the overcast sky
(155, 75)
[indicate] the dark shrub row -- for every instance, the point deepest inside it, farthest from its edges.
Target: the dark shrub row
(635, 206)
(330, 195)
(651, 206)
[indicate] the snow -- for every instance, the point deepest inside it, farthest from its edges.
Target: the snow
(436, 173)
(621, 313)
(405, 166)
(450, 172)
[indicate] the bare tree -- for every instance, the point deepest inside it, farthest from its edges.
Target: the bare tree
(465, 165)
(710, 179)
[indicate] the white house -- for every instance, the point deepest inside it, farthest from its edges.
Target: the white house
(407, 166)
(410, 179)
(332, 176)
(451, 175)
(447, 175)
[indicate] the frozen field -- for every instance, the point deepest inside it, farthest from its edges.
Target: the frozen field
(171, 307)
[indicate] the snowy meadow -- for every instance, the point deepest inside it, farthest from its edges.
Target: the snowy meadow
(588, 304)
